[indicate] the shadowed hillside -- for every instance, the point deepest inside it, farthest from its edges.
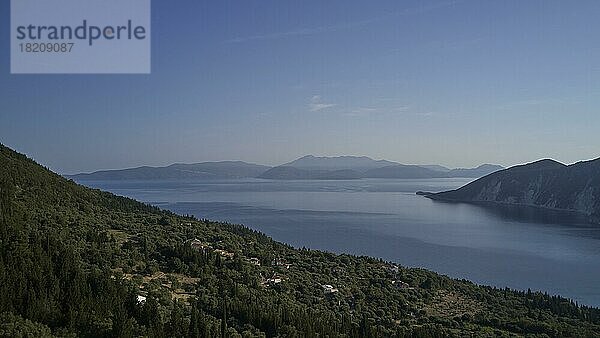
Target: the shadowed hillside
(545, 183)
(81, 262)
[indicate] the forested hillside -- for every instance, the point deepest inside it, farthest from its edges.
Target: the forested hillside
(81, 262)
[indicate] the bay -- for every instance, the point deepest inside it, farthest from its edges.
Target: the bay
(514, 247)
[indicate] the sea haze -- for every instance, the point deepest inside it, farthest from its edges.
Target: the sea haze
(520, 248)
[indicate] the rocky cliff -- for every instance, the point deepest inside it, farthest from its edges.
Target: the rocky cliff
(545, 183)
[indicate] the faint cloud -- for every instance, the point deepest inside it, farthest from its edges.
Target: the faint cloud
(317, 104)
(537, 102)
(364, 110)
(278, 35)
(361, 111)
(343, 26)
(264, 114)
(533, 102)
(387, 99)
(400, 109)
(425, 114)
(367, 111)
(453, 44)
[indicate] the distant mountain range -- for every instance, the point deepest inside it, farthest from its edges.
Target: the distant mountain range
(357, 163)
(205, 170)
(352, 167)
(305, 168)
(435, 167)
(292, 173)
(545, 183)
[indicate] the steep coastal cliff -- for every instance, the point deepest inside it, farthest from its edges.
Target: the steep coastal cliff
(545, 183)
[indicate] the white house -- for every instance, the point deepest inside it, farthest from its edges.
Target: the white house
(197, 245)
(224, 253)
(274, 280)
(279, 262)
(329, 289)
(402, 285)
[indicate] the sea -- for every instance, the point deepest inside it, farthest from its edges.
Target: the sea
(517, 247)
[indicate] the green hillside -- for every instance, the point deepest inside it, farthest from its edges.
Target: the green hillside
(81, 262)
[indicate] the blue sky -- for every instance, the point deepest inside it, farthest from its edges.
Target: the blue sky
(457, 83)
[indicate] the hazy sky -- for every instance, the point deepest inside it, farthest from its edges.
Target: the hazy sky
(457, 83)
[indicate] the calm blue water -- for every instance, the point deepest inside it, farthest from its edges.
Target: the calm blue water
(514, 247)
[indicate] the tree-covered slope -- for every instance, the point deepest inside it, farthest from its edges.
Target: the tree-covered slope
(545, 183)
(80, 262)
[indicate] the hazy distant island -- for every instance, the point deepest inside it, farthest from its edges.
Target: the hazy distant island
(545, 183)
(179, 171)
(305, 168)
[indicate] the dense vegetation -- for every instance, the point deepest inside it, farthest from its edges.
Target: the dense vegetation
(81, 262)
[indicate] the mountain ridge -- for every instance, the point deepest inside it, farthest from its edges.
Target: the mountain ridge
(201, 170)
(544, 183)
(357, 163)
(357, 167)
(375, 169)
(308, 167)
